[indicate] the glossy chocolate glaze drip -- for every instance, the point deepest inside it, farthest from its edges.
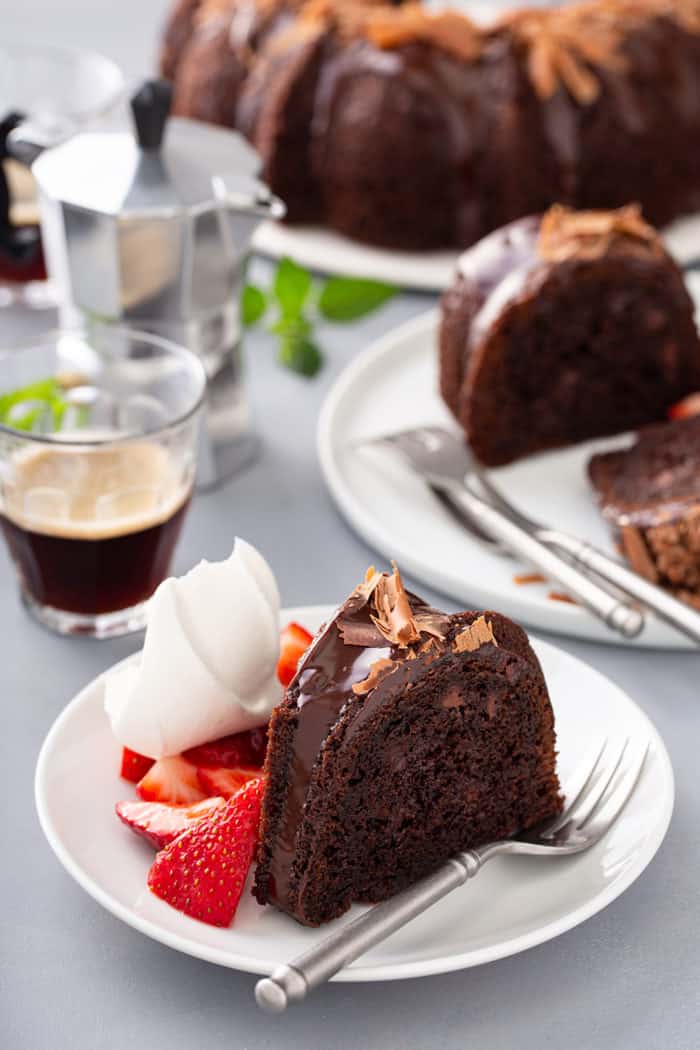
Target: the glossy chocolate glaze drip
(653, 481)
(497, 269)
(323, 685)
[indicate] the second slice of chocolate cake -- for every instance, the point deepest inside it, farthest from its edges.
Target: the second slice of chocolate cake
(650, 495)
(407, 735)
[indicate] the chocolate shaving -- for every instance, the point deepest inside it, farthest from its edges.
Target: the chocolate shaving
(562, 46)
(471, 638)
(364, 635)
(377, 670)
(567, 234)
(637, 553)
(354, 632)
(560, 596)
(394, 616)
(391, 27)
(430, 621)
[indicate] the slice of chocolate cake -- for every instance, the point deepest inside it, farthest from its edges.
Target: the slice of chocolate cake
(406, 736)
(650, 495)
(565, 327)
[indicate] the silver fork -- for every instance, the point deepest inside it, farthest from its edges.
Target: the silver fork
(444, 460)
(595, 797)
(445, 463)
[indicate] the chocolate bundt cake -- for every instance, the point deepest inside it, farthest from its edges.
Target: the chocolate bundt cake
(565, 327)
(421, 130)
(650, 495)
(406, 736)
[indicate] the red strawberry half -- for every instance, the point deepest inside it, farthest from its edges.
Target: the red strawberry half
(203, 871)
(160, 823)
(225, 782)
(134, 766)
(171, 780)
(238, 749)
(689, 406)
(294, 641)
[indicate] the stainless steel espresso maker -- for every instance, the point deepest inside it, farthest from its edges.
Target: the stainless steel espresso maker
(152, 229)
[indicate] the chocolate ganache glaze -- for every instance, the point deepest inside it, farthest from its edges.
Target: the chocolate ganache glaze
(371, 634)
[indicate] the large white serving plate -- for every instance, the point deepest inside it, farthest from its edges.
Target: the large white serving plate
(393, 385)
(514, 904)
(328, 252)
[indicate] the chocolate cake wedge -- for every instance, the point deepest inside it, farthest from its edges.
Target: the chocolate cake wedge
(650, 495)
(564, 327)
(407, 735)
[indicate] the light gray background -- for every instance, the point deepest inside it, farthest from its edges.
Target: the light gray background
(74, 978)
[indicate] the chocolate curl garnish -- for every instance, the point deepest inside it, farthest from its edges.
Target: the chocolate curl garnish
(471, 638)
(394, 616)
(568, 234)
(564, 44)
(378, 670)
(637, 553)
(391, 27)
(354, 632)
(430, 621)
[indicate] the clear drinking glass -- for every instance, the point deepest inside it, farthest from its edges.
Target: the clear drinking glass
(98, 449)
(58, 90)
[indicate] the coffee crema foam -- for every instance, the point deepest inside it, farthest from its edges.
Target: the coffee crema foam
(93, 493)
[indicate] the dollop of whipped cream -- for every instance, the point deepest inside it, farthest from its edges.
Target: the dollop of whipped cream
(209, 660)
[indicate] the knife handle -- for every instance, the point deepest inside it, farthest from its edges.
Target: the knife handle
(616, 613)
(590, 559)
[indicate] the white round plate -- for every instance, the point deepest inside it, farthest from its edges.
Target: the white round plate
(513, 904)
(393, 385)
(329, 252)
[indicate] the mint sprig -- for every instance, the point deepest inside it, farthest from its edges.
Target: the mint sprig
(297, 303)
(22, 408)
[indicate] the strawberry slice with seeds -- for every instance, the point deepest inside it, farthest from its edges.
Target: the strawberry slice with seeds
(159, 823)
(134, 766)
(172, 780)
(294, 641)
(202, 873)
(225, 782)
(233, 751)
(689, 406)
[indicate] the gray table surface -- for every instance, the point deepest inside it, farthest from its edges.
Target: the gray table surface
(74, 978)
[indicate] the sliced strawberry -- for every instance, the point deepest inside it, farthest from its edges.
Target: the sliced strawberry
(134, 766)
(294, 641)
(160, 823)
(203, 871)
(238, 749)
(171, 780)
(225, 782)
(689, 406)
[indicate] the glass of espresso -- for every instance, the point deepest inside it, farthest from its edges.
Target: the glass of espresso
(98, 446)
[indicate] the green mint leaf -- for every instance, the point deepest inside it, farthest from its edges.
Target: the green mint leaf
(347, 298)
(300, 354)
(291, 287)
(253, 305)
(292, 328)
(22, 408)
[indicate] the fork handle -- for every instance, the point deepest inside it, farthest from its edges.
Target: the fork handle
(617, 613)
(293, 982)
(666, 607)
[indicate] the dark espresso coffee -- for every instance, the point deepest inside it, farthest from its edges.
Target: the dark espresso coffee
(93, 531)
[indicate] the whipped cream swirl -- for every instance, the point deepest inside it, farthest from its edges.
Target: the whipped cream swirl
(208, 666)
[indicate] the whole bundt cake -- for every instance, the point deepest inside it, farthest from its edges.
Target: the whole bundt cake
(406, 736)
(564, 327)
(417, 130)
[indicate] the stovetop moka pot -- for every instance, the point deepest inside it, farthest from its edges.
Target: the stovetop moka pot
(152, 229)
